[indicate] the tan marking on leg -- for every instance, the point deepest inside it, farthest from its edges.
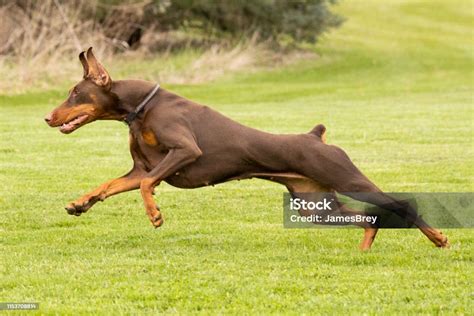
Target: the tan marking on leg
(154, 214)
(369, 236)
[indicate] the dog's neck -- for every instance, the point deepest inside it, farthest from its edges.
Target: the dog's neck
(131, 93)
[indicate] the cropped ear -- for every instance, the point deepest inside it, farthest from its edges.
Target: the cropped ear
(96, 72)
(85, 66)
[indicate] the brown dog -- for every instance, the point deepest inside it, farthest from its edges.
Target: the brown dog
(189, 145)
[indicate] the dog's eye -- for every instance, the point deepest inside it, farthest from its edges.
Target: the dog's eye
(74, 92)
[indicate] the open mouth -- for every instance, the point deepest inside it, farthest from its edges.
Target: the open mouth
(73, 124)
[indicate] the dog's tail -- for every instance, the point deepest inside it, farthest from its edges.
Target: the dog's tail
(319, 131)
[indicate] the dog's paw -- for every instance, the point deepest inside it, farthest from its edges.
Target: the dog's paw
(157, 221)
(73, 209)
(78, 207)
(439, 239)
(155, 217)
(443, 242)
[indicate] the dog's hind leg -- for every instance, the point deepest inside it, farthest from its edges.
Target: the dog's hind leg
(370, 230)
(332, 166)
(362, 189)
(296, 183)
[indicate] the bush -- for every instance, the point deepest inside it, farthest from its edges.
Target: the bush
(298, 20)
(122, 24)
(301, 20)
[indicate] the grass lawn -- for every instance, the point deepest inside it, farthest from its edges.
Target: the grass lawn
(393, 86)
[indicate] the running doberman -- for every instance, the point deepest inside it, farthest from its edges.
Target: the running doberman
(188, 145)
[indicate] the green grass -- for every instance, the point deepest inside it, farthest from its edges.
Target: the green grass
(394, 88)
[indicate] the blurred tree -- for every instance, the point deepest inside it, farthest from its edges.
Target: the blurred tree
(124, 22)
(301, 20)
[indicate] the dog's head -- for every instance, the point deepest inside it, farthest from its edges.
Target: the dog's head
(89, 100)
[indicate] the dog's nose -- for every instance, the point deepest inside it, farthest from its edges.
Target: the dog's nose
(48, 117)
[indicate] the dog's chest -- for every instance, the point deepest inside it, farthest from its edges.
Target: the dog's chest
(148, 138)
(146, 147)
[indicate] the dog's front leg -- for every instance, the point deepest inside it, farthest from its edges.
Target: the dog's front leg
(130, 181)
(175, 159)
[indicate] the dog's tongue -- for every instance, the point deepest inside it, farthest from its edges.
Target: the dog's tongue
(70, 126)
(66, 128)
